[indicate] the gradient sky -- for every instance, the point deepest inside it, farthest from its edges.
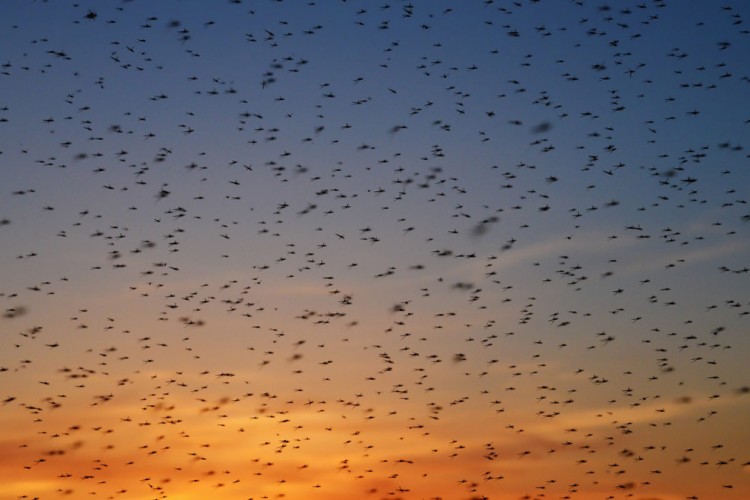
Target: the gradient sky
(348, 249)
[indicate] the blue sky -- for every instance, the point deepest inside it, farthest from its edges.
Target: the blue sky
(346, 249)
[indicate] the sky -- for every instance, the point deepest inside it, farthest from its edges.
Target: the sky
(343, 249)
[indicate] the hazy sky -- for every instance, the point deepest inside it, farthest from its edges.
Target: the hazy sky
(349, 249)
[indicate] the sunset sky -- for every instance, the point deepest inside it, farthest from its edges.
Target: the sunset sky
(342, 249)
